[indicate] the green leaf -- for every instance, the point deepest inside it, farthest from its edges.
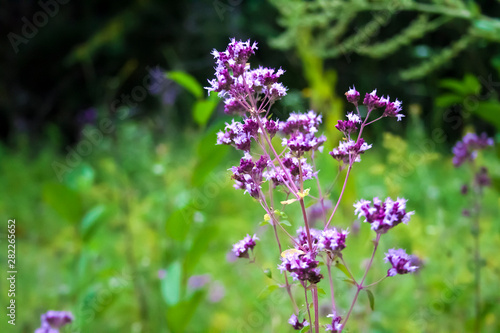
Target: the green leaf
(267, 291)
(495, 181)
(456, 86)
(472, 84)
(268, 273)
(286, 222)
(489, 111)
(321, 291)
(487, 28)
(179, 316)
(204, 108)
(80, 178)
(343, 269)
(349, 281)
(209, 156)
(371, 298)
(446, 100)
(171, 284)
(91, 221)
(65, 201)
(199, 247)
(179, 222)
(263, 223)
(302, 313)
(280, 213)
(186, 81)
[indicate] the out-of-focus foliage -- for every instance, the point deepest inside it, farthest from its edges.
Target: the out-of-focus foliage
(118, 239)
(468, 92)
(115, 233)
(326, 28)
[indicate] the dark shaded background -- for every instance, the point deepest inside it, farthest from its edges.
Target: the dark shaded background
(89, 53)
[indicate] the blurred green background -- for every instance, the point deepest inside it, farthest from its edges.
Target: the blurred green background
(109, 163)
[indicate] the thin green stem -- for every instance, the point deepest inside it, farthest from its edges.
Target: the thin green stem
(360, 285)
(307, 303)
(340, 197)
(314, 292)
(332, 292)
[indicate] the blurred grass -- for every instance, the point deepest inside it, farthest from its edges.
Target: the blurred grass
(94, 243)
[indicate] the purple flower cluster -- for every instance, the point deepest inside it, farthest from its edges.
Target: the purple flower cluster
(301, 266)
(296, 324)
(349, 151)
(350, 125)
(291, 164)
(466, 150)
(392, 109)
(240, 135)
(248, 175)
(302, 237)
(383, 215)
(482, 178)
(52, 321)
(301, 128)
(400, 261)
(240, 85)
(352, 95)
(332, 240)
(336, 325)
(241, 248)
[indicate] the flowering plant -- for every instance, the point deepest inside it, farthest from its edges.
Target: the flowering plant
(263, 169)
(465, 153)
(52, 321)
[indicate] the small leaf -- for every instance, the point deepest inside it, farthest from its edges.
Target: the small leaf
(267, 291)
(302, 313)
(65, 201)
(349, 281)
(289, 201)
(186, 81)
(446, 100)
(199, 247)
(489, 111)
(179, 315)
(81, 178)
(371, 298)
(171, 284)
(321, 291)
(305, 193)
(286, 222)
(91, 220)
(343, 269)
(179, 223)
(496, 183)
(305, 329)
(268, 273)
(203, 109)
(280, 213)
(263, 223)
